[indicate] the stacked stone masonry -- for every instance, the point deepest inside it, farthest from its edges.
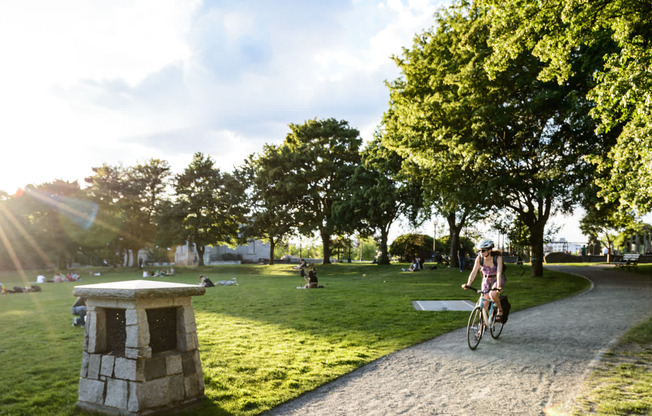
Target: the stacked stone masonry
(134, 380)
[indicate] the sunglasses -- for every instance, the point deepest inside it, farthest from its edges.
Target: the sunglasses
(484, 250)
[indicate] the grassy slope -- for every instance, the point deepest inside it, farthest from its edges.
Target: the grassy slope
(262, 342)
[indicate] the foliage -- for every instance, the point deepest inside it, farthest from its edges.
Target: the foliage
(209, 205)
(45, 225)
(409, 246)
(269, 216)
(515, 141)
(623, 86)
(445, 241)
(284, 343)
(311, 171)
(381, 194)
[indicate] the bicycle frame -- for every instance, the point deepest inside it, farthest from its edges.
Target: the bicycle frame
(482, 318)
(488, 311)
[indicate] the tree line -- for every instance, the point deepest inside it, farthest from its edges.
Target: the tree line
(529, 108)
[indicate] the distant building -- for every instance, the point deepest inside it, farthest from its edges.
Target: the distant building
(563, 246)
(249, 253)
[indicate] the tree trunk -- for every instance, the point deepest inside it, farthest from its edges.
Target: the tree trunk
(200, 255)
(326, 242)
(537, 249)
(272, 246)
(384, 255)
(454, 234)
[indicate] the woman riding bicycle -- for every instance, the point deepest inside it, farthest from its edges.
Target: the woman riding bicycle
(491, 263)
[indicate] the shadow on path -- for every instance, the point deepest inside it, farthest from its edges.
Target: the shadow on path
(542, 359)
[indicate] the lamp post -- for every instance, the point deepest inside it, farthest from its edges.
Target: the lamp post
(434, 242)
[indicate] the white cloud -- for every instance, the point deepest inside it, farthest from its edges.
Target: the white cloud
(121, 81)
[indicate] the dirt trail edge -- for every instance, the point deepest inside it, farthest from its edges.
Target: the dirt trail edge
(542, 359)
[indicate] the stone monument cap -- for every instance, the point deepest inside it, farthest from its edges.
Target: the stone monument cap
(138, 289)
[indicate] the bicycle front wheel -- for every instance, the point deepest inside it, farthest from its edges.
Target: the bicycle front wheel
(496, 327)
(475, 328)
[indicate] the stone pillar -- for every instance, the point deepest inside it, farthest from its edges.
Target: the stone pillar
(141, 352)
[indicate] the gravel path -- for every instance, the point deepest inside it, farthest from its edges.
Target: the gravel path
(541, 360)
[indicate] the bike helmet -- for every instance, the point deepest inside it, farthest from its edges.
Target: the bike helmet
(487, 244)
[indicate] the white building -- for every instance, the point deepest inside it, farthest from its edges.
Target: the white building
(250, 253)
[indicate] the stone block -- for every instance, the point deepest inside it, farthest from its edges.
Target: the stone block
(134, 404)
(176, 388)
(101, 303)
(96, 330)
(125, 304)
(187, 320)
(107, 365)
(174, 365)
(116, 393)
(188, 363)
(85, 344)
(187, 342)
(137, 336)
(132, 353)
(155, 303)
(198, 368)
(192, 388)
(182, 301)
(154, 393)
(84, 367)
(94, 363)
(126, 369)
(91, 391)
(155, 367)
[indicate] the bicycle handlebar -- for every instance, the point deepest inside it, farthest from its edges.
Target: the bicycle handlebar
(478, 290)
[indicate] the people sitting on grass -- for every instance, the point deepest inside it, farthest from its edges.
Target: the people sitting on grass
(414, 267)
(310, 278)
(302, 265)
(79, 309)
(205, 281)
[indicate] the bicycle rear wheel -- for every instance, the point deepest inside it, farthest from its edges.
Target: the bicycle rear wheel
(475, 328)
(496, 327)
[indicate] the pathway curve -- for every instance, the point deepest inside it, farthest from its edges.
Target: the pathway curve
(541, 360)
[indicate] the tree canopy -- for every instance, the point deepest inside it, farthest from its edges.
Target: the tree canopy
(312, 171)
(554, 31)
(514, 140)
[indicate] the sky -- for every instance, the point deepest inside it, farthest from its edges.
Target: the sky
(86, 83)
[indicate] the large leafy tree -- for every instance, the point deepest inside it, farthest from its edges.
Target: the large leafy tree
(129, 200)
(516, 142)
(315, 163)
(48, 221)
(553, 31)
(381, 193)
(107, 188)
(429, 121)
(209, 205)
(144, 192)
(268, 218)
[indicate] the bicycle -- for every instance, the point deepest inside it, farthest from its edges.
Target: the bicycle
(481, 319)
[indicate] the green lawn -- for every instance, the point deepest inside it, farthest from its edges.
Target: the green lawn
(262, 342)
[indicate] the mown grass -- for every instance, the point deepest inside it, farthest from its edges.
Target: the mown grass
(262, 342)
